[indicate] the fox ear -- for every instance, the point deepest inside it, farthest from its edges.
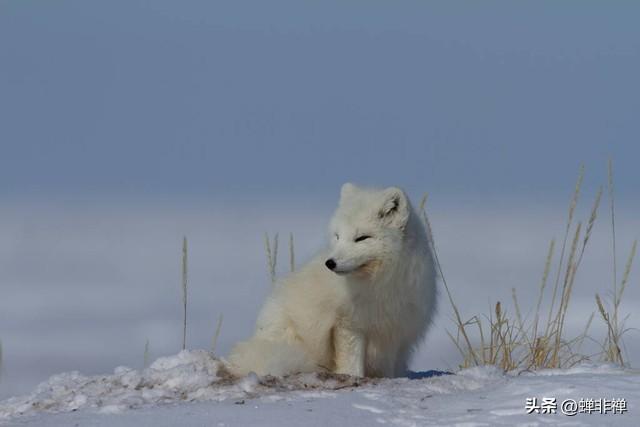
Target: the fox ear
(394, 211)
(347, 190)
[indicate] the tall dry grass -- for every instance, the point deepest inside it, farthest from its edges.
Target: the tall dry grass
(184, 291)
(292, 254)
(146, 358)
(513, 342)
(216, 335)
(271, 249)
(613, 345)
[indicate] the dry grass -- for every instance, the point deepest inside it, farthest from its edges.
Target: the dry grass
(292, 254)
(146, 361)
(184, 292)
(185, 288)
(612, 348)
(462, 331)
(214, 341)
(272, 255)
(510, 341)
(613, 345)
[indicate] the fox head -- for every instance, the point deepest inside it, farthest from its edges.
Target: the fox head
(367, 230)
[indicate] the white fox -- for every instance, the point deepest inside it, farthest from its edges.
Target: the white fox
(360, 307)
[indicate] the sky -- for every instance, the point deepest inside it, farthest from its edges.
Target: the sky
(225, 100)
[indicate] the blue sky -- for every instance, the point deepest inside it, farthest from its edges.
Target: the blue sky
(224, 99)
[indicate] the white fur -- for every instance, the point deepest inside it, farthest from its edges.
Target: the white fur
(367, 316)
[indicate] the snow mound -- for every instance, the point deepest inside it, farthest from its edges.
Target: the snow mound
(191, 375)
(188, 375)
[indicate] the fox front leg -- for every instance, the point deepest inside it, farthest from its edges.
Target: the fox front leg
(350, 347)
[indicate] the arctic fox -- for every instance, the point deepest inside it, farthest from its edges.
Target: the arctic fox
(360, 307)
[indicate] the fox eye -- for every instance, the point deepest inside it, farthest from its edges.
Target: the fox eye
(336, 236)
(361, 238)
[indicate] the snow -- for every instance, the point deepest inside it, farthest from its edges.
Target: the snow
(194, 388)
(186, 376)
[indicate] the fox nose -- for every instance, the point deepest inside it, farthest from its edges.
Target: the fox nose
(331, 264)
